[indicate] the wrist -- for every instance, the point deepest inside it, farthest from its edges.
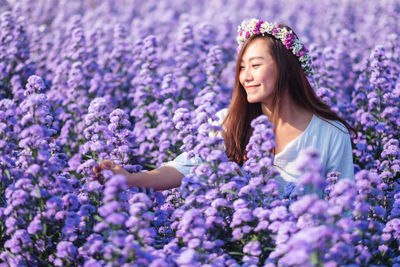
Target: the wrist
(131, 179)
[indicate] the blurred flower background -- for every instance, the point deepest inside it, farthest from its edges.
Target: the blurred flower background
(140, 82)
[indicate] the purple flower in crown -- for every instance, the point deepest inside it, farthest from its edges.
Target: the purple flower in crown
(301, 53)
(290, 38)
(257, 28)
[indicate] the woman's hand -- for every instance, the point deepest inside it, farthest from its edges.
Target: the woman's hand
(109, 165)
(162, 178)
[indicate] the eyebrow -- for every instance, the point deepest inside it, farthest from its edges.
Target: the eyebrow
(252, 58)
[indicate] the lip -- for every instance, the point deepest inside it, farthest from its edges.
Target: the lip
(250, 86)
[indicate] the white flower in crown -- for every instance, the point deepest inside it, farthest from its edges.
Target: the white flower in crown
(267, 27)
(296, 47)
(240, 39)
(252, 23)
(281, 34)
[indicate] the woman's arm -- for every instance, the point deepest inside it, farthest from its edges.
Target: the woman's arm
(162, 178)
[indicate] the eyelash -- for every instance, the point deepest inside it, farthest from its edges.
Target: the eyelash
(254, 66)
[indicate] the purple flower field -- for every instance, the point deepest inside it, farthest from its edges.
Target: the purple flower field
(139, 82)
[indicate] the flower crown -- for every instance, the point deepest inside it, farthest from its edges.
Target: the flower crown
(288, 39)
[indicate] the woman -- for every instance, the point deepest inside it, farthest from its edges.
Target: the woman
(270, 79)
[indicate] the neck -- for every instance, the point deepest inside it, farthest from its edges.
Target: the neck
(288, 112)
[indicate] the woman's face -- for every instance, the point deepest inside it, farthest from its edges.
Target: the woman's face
(258, 72)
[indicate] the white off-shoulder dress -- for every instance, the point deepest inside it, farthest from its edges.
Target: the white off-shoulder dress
(330, 138)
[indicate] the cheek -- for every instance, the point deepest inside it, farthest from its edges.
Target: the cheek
(241, 78)
(269, 75)
(262, 76)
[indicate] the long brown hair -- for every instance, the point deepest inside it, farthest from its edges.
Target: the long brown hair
(291, 77)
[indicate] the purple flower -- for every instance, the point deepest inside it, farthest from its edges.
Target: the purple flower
(301, 206)
(35, 226)
(19, 241)
(253, 248)
(35, 85)
(116, 218)
(66, 249)
(188, 256)
(109, 208)
(278, 213)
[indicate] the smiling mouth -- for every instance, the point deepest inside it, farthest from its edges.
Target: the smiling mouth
(252, 86)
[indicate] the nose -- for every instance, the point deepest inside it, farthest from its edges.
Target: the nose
(246, 75)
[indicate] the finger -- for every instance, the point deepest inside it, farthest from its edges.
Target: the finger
(109, 164)
(96, 169)
(103, 165)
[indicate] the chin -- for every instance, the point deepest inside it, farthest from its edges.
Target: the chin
(259, 99)
(253, 100)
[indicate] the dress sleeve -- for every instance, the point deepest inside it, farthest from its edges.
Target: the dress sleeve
(183, 164)
(341, 156)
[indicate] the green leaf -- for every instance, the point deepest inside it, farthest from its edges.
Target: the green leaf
(268, 249)
(34, 153)
(195, 191)
(98, 218)
(8, 174)
(44, 228)
(85, 156)
(37, 189)
(230, 191)
(236, 253)
(314, 258)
